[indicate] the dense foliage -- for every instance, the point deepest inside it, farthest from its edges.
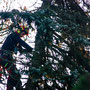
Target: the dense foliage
(83, 83)
(60, 56)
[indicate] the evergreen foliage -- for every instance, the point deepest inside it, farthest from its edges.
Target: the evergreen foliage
(83, 83)
(59, 57)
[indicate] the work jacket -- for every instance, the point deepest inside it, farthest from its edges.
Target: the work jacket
(14, 41)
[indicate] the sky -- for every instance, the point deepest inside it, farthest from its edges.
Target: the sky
(8, 5)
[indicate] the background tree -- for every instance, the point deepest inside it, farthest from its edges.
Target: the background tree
(63, 35)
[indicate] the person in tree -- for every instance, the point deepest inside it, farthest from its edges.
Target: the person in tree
(12, 42)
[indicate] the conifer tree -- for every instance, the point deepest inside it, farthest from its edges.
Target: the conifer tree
(60, 55)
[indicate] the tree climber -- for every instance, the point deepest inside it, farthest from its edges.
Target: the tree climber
(12, 42)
